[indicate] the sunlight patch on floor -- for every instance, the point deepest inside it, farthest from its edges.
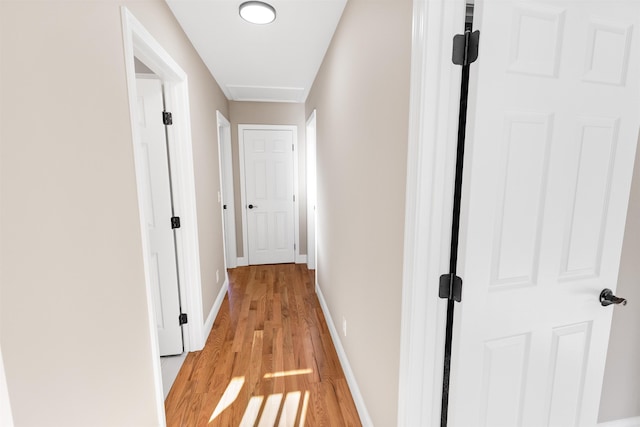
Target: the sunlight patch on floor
(229, 396)
(251, 413)
(288, 373)
(305, 406)
(290, 409)
(270, 411)
(284, 412)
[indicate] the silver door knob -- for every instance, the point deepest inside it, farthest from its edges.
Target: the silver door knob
(607, 298)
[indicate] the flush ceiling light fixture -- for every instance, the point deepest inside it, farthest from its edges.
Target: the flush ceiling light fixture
(257, 12)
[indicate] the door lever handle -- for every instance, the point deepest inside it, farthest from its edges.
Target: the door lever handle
(252, 206)
(607, 298)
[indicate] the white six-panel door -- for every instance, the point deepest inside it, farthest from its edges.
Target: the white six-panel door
(268, 166)
(158, 213)
(552, 136)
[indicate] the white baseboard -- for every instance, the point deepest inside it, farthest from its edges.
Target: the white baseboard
(365, 418)
(216, 308)
(625, 422)
(244, 261)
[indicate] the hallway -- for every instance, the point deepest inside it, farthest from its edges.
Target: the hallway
(269, 359)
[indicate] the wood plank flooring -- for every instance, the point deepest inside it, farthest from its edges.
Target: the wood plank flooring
(269, 360)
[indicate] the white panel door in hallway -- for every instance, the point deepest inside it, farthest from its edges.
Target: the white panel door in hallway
(553, 132)
(269, 194)
(157, 206)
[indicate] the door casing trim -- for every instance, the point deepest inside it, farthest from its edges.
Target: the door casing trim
(311, 204)
(140, 43)
(435, 90)
(226, 166)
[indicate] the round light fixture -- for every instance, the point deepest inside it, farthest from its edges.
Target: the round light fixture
(257, 12)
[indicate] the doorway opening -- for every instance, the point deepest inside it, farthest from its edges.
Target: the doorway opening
(159, 210)
(138, 43)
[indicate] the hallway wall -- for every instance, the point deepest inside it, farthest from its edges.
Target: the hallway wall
(621, 387)
(74, 329)
(361, 95)
(269, 113)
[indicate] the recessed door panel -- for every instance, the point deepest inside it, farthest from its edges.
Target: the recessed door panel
(569, 350)
(596, 148)
(521, 197)
(504, 380)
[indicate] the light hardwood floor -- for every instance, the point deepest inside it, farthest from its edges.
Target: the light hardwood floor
(269, 360)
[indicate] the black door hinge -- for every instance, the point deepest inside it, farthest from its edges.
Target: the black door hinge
(465, 47)
(224, 206)
(175, 222)
(167, 118)
(183, 318)
(450, 287)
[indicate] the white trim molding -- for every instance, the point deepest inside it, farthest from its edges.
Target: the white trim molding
(625, 422)
(301, 259)
(358, 399)
(226, 190)
(311, 144)
(430, 177)
(242, 261)
(6, 416)
(139, 43)
(215, 309)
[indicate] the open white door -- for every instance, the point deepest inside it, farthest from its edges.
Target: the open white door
(269, 195)
(552, 139)
(157, 206)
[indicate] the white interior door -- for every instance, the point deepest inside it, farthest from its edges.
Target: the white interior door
(268, 166)
(157, 207)
(311, 191)
(554, 127)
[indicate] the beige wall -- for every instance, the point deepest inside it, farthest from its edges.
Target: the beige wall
(73, 315)
(269, 113)
(621, 387)
(362, 99)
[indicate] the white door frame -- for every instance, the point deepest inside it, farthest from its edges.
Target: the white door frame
(435, 90)
(226, 188)
(311, 190)
(243, 201)
(138, 42)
